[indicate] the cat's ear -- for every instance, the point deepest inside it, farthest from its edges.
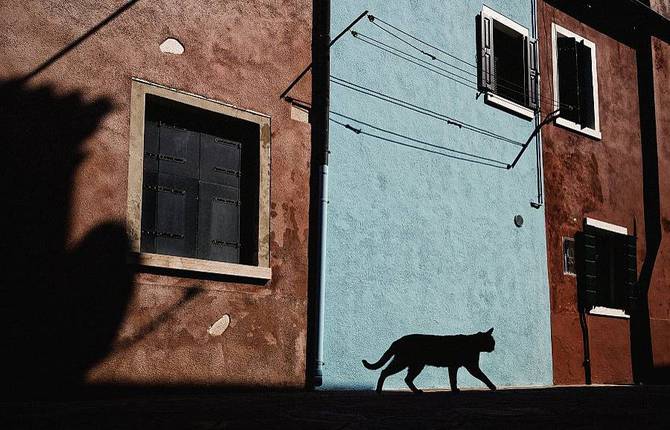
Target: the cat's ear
(490, 331)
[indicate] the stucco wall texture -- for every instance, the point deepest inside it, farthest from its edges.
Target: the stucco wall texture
(240, 52)
(419, 242)
(659, 291)
(601, 179)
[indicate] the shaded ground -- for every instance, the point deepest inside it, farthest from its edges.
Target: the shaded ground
(570, 407)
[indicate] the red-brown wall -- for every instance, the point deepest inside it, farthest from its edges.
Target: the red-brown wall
(601, 179)
(240, 52)
(659, 290)
(585, 177)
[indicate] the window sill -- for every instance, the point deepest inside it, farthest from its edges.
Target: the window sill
(509, 105)
(576, 127)
(203, 266)
(608, 312)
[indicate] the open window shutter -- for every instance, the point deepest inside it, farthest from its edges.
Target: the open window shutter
(568, 83)
(487, 65)
(588, 273)
(585, 85)
(630, 271)
(532, 74)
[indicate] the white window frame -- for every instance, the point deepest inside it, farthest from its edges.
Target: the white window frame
(496, 99)
(592, 132)
(605, 311)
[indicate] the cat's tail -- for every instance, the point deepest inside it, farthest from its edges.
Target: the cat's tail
(382, 361)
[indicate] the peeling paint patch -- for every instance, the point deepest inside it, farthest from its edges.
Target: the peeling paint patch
(220, 326)
(172, 46)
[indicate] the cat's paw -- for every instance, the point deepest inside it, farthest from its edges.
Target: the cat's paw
(455, 391)
(493, 387)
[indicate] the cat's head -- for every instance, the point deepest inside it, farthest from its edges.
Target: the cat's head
(486, 341)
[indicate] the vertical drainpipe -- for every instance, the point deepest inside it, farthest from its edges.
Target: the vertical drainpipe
(319, 120)
(538, 113)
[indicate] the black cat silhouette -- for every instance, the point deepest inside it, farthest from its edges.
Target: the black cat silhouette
(415, 351)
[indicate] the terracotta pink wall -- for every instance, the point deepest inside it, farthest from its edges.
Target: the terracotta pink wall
(239, 52)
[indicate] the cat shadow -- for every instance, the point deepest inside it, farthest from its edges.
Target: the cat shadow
(416, 351)
(62, 302)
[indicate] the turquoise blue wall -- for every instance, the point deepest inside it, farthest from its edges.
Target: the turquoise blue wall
(418, 242)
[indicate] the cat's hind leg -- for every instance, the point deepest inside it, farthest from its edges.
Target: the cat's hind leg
(412, 373)
(477, 373)
(453, 374)
(394, 367)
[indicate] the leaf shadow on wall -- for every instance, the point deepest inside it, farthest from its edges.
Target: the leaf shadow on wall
(62, 306)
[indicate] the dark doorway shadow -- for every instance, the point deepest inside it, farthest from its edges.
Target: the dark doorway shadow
(62, 304)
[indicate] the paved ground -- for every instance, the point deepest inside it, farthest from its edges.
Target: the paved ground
(572, 407)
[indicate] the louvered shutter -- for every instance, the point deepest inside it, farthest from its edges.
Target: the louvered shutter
(568, 83)
(589, 278)
(585, 85)
(532, 99)
(219, 205)
(631, 286)
(487, 75)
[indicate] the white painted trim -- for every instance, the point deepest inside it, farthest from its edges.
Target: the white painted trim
(510, 105)
(606, 226)
(494, 98)
(487, 11)
(608, 312)
(578, 128)
(593, 132)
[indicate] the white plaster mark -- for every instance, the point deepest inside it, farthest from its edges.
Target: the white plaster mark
(220, 326)
(172, 46)
(299, 113)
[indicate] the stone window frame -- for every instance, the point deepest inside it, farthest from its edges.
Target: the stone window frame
(139, 89)
(592, 132)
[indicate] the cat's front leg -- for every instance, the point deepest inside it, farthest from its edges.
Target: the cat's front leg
(477, 373)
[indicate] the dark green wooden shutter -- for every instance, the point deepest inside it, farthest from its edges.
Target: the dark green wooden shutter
(568, 84)
(532, 99)
(590, 277)
(219, 205)
(585, 86)
(487, 64)
(631, 286)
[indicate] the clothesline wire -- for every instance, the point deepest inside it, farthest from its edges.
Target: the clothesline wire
(421, 110)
